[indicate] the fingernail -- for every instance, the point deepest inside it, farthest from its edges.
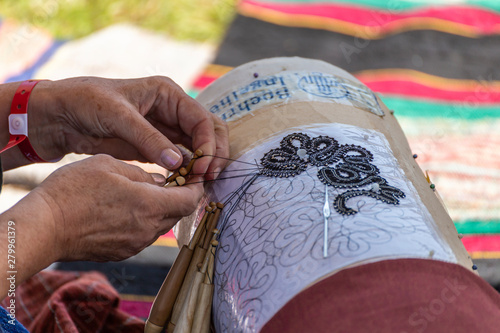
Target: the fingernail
(169, 158)
(159, 179)
(216, 173)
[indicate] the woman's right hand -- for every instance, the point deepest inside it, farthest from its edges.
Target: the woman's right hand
(104, 209)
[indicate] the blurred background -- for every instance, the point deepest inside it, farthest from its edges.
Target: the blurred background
(188, 20)
(435, 63)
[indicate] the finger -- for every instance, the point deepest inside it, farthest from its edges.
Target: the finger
(159, 179)
(213, 166)
(177, 110)
(221, 152)
(149, 142)
(177, 201)
(131, 172)
(117, 148)
(181, 140)
(173, 134)
(186, 155)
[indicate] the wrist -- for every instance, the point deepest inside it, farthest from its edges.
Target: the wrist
(7, 92)
(34, 234)
(45, 130)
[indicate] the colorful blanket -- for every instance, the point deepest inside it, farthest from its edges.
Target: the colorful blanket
(435, 65)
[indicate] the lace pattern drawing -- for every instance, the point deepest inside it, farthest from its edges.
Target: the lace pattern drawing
(271, 240)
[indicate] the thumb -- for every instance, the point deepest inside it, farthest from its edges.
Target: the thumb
(150, 142)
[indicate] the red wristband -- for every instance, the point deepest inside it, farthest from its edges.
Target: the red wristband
(18, 121)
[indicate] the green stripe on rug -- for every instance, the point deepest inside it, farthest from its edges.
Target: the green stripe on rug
(425, 109)
(402, 4)
(478, 227)
(192, 93)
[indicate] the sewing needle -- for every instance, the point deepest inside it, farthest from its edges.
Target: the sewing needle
(326, 215)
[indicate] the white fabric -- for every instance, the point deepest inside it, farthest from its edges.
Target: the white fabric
(271, 243)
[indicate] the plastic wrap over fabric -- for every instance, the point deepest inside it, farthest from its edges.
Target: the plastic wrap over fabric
(271, 241)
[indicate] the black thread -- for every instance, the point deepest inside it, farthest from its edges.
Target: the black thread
(341, 166)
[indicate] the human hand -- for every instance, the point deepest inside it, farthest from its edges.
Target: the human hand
(104, 209)
(139, 119)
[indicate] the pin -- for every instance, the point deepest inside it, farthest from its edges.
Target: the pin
(326, 215)
(427, 177)
(415, 155)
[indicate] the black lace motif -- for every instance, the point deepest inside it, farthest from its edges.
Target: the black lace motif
(341, 166)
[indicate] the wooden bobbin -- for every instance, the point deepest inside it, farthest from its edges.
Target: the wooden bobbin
(184, 171)
(188, 283)
(198, 255)
(202, 318)
(208, 226)
(210, 214)
(201, 228)
(186, 317)
(163, 304)
(197, 154)
(179, 181)
(181, 172)
(210, 271)
(213, 224)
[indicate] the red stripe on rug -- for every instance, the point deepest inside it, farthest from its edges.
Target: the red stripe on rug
(202, 81)
(479, 20)
(169, 235)
(407, 83)
(482, 243)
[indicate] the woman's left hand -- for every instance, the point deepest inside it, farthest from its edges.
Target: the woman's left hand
(135, 119)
